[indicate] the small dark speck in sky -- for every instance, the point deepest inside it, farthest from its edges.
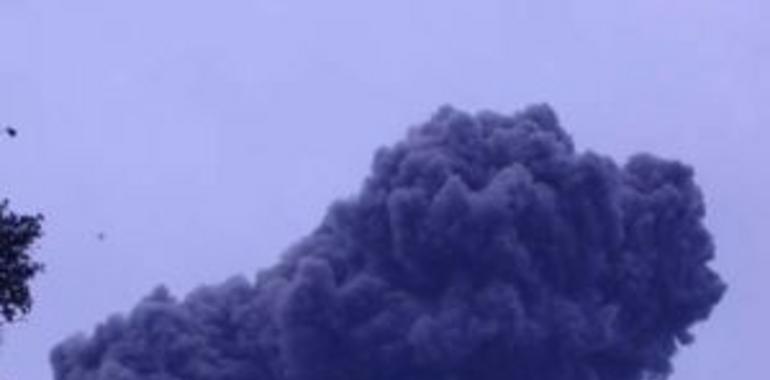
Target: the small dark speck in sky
(10, 131)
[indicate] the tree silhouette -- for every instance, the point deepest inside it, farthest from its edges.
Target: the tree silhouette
(17, 233)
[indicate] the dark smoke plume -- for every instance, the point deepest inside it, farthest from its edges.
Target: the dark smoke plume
(481, 247)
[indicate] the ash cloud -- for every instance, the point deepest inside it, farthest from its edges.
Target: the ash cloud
(480, 247)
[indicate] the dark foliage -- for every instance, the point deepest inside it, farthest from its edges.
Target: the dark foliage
(17, 233)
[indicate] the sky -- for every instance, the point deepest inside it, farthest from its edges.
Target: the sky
(203, 138)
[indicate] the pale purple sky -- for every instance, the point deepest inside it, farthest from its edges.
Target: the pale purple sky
(203, 137)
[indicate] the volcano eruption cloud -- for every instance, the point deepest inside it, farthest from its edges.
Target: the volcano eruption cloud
(480, 247)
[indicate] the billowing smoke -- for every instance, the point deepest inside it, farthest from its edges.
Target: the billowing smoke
(481, 247)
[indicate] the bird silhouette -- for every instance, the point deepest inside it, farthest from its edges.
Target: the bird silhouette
(10, 131)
